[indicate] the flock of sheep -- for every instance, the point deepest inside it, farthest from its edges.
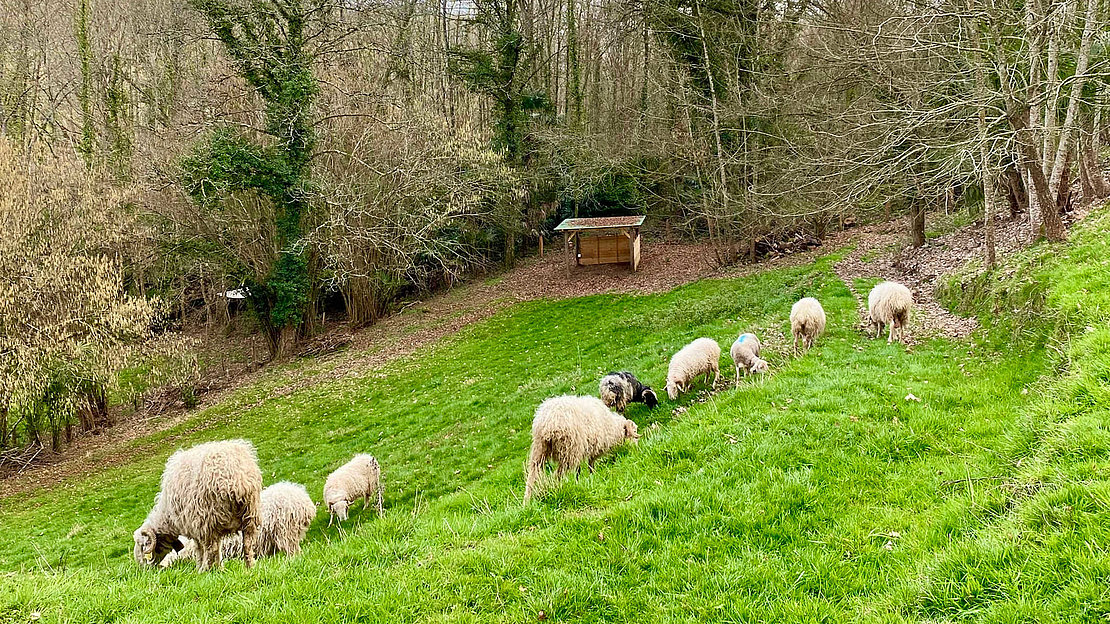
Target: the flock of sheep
(212, 506)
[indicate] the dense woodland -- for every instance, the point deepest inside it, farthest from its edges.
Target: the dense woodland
(332, 155)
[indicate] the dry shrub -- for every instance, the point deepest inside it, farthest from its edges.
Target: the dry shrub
(67, 323)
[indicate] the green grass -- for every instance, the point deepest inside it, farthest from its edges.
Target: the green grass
(821, 494)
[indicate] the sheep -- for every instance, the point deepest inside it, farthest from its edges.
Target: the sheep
(889, 304)
(745, 355)
(569, 430)
(617, 390)
(358, 478)
(807, 321)
(209, 491)
(701, 356)
(287, 512)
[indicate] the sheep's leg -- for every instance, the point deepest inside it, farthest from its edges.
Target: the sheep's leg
(890, 336)
(250, 541)
(737, 375)
(716, 375)
(591, 463)
(209, 554)
(381, 509)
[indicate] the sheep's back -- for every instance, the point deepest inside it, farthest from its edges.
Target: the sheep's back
(810, 312)
(211, 488)
(887, 300)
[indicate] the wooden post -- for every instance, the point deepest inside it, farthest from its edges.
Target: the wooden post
(541, 246)
(566, 248)
(634, 252)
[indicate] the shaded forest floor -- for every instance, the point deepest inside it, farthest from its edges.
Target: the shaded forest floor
(875, 252)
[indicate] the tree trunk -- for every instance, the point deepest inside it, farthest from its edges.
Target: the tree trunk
(1065, 146)
(716, 117)
(1053, 225)
(917, 221)
(1063, 195)
(986, 169)
(1016, 193)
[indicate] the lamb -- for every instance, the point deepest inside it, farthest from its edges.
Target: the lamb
(807, 321)
(569, 430)
(209, 491)
(701, 356)
(358, 478)
(889, 304)
(745, 354)
(287, 512)
(617, 390)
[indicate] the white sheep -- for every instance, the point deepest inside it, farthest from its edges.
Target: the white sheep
(569, 430)
(287, 512)
(890, 304)
(700, 357)
(807, 321)
(358, 478)
(617, 390)
(745, 355)
(209, 491)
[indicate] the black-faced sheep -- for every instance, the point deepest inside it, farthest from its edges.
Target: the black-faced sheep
(617, 390)
(209, 491)
(287, 512)
(359, 478)
(807, 322)
(890, 304)
(745, 355)
(569, 430)
(700, 357)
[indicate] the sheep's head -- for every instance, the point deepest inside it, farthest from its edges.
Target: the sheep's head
(649, 397)
(672, 390)
(339, 509)
(630, 432)
(151, 548)
(760, 366)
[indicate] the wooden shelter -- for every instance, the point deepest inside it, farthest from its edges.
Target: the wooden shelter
(602, 240)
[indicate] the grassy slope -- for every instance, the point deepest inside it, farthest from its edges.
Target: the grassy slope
(822, 494)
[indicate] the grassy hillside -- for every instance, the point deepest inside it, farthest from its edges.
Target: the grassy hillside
(826, 493)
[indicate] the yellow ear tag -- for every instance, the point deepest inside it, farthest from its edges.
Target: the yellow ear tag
(150, 556)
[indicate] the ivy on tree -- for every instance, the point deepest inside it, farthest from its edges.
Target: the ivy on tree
(268, 45)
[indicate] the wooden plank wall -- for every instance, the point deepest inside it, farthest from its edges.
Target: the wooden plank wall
(604, 249)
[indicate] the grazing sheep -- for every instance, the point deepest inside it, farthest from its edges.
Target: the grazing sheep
(287, 512)
(569, 430)
(889, 304)
(358, 478)
(619, 389)
(700, 357)
(745, 354)
(807, 321)
(209, 491)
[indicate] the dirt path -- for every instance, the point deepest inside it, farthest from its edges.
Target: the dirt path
(881, 252)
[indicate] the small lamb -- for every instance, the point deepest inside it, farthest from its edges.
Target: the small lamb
(359, 478)
(745, 355)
